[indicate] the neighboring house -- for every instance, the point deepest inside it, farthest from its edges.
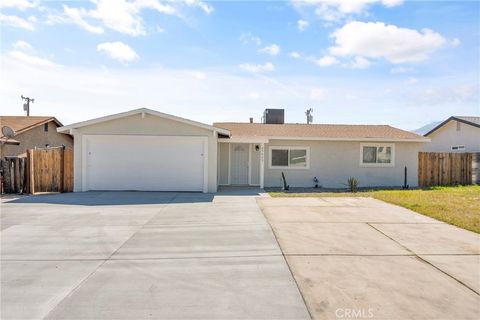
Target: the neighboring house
(148, 150)
(32, 132)
(456, 134)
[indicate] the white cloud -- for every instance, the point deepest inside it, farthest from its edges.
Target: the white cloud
(121, 15)
(334, 10)
(22, 45)
(318, 94)
(18, 4)
(378, 40)
(272, 50)
(76, 16)
(257, 68)
(295, 54)
(118, 51)
(302, 24)
(400, 69)
(202, 5)
(18, 22)
(326, 61)
(29, 59)
(200, 75)
(360, 63)
(411, 80)
(94, 91)
(247, 38)
(455, 43)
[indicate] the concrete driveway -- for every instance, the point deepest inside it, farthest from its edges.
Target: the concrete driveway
(137, 255)
(362, 258)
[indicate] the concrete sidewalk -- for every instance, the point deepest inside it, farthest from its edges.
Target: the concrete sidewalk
(363, 258)
(116, 255)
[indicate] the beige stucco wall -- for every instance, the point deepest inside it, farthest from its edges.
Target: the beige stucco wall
(37, 137)
(149, 125)
(223, 160)
(445, 137)
(333, 162)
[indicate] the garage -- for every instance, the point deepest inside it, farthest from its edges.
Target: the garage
(145, 163)
(144, 150)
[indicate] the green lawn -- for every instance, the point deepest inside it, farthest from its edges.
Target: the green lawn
(459, 206)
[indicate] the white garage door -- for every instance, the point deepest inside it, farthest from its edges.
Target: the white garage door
(147, 163)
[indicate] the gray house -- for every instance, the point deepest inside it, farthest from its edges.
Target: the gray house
(257, 154)
(456, 134)
(144, 149)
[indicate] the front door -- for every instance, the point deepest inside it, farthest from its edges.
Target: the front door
(239, 164)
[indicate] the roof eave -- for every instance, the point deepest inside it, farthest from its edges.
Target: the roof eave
(450, 119)
(66, 129)
(420, 139)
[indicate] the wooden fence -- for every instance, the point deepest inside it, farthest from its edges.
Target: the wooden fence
(43, 170)
(441, 168)
(14, 178)
(476, 168)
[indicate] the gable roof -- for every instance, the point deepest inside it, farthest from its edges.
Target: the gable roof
(339, 132)
(24, 123)
(67, 129)
(470, 120)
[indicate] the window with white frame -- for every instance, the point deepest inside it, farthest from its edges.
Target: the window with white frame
(458, 147)
(289, 157)
(377, 155)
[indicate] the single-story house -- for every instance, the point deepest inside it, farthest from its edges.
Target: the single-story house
(31, 132)
(456, 134)
(148, 150)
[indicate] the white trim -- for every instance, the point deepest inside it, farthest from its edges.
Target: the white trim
(229, 164)
(249, 164)
(205, 164)
(377, 165)
(262, 165)
(142, 111)
(84, 163)
(243, 140)
(204, 139)
(307, 167)
(348, 139)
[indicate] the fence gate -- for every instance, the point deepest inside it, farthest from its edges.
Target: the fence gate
(50, 170)
(443, 168)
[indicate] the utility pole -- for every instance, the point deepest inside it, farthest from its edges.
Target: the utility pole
(26, 105)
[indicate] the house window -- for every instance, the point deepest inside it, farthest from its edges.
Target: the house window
(45, 127)
(376, 155)
(289, 157)
(458, 148)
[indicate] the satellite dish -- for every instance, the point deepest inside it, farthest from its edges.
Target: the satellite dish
(8, 132)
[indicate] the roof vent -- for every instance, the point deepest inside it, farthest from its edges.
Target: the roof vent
(251, 120)
(274, 116)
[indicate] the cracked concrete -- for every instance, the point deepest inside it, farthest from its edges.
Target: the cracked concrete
(137, 255)
(361, 256)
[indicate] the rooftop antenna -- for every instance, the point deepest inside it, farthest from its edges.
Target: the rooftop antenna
(309, 114)
(26, 105)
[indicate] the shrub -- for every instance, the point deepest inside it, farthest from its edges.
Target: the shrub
(352, 184)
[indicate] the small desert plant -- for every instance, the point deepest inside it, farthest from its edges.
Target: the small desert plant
(352, 183)
(286, 187)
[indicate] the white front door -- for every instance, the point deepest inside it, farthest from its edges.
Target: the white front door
(239, 164)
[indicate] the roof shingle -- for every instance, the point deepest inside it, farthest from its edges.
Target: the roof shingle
(23, 123)
(320, 131)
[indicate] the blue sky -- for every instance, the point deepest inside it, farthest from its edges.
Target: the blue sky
(404, 63)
